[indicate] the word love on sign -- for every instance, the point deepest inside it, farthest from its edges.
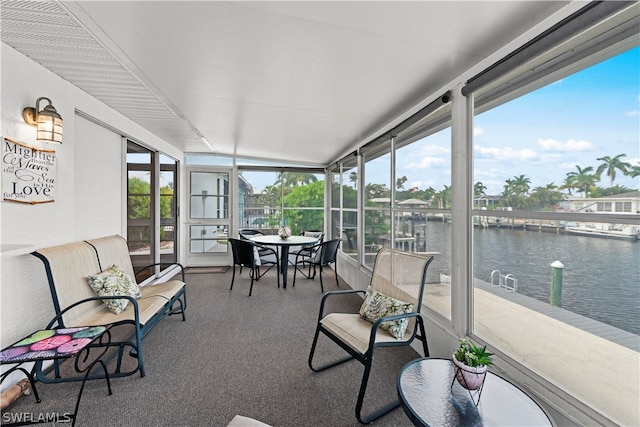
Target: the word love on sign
(28, 173)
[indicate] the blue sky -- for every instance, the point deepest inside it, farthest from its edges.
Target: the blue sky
(545, 134)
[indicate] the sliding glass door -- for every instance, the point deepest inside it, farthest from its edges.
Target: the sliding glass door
(152, 222)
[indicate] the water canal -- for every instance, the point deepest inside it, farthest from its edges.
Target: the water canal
(601, 277)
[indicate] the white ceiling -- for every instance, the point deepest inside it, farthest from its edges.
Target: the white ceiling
(301, 81)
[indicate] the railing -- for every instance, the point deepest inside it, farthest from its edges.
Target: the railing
(508, 281)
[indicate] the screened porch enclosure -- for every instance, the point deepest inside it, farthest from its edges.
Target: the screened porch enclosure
(501, 138)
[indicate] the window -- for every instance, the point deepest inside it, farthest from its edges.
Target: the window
(423, 210)
(260, 200)
(377, 200)
(556, 270)
(528, 198)
(406, 197)
(293, 197)
(303, 201)
(345, 194)
(604, 207)
(151, 188)
(623, 206)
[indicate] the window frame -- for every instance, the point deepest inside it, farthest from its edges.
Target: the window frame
(573, 60)
(155, 167)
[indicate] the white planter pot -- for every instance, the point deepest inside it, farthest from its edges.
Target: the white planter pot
(469, 377)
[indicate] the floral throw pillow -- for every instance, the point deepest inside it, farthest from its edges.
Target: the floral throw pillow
(114, 282)
(377, 305)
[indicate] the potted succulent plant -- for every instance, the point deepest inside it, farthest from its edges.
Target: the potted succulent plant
(471, 363)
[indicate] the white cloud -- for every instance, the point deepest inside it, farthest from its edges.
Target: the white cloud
(568, 165)
(634, 161)
(505, 153)
(633, 113)
(425, 162)
(431, 150)
(478, 131)
(427, 157)
(491, 179)
(550, 144)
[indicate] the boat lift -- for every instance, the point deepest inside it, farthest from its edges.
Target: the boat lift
(508, 282)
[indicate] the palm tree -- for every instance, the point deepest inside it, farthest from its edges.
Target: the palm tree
(443, 197)
(294, 179)
(610, 165)
(515, 190)
(610, 191)
(353, 177)
(583, 179)
(521, 185)
(400, 183)
(509, 195)
(270, 195)
(568, 184)
(634, 171)
(479, 189)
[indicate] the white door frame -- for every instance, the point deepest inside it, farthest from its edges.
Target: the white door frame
(205, 240)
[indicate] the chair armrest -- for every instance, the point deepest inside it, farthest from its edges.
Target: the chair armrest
(326, 296)
(300, 253)
(263, 248)
(161, 264)
(377, 323)
(60, 322)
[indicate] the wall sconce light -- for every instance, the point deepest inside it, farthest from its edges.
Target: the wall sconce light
(47, 120)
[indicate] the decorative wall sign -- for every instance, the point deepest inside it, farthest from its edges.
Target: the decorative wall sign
(28, 173)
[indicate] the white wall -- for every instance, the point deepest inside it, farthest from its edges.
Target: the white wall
(88, 194)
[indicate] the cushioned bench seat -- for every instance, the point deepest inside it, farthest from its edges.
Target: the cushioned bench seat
(68, 268)
(152, 301)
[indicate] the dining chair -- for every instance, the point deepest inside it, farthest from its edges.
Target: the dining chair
(322, 255)
(245, 254)
(307, 250)
(266, 254)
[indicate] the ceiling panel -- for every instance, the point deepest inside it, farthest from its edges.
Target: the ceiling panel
(302, 81)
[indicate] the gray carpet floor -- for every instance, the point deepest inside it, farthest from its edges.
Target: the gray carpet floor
(236, 354)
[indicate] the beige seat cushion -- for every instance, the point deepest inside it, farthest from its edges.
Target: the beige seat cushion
(153, 298)
(354, 330)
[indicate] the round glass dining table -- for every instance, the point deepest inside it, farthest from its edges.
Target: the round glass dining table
(284, 245)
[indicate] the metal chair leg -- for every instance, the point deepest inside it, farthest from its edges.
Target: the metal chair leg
(328, 365)
(233, 277)
(363, 389)
(251, 285)
(421, 335)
